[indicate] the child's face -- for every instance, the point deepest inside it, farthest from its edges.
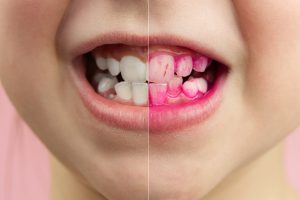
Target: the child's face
(257, 104)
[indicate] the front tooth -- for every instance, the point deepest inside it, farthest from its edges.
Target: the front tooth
(161, 69)
(201, 85)
(174, 86)
(113, 66)
(184, 66)
(140, 93)
(158, 93)
(133, 69)
(123, 90)
(106, 83)
(101, 63)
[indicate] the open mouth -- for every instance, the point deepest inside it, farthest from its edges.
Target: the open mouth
(155, 87)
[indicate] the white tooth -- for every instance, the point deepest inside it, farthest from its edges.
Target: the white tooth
(97, 77)
(133, 69)
(140, 93)
(106, 83)
(101, 63)
(123, 90)
(202, 85)
(113, 66)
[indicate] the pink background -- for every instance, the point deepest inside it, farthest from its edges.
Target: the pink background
(24, 170)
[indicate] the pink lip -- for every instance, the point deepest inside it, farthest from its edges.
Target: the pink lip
(160, 119)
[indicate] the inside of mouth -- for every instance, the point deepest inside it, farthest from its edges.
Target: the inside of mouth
(154, 76)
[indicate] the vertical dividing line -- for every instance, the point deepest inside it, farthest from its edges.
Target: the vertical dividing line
(148, 189)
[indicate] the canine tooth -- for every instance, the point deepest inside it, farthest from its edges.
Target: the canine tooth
(174, 86)
(184, 66)
(101, 63)
(201, 63)
(133, 69)
(140, 93)
(161, 69)
(113, 66)
(201, 85)
(190, 88)
(106, 83)
(123, 90)
(158, 93)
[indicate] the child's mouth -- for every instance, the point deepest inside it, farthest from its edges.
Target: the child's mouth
(154, 76)
(159, 88)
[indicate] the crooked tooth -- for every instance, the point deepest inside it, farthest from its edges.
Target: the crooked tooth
(174, 86)
(140, 93)
(161, 69)
(184, 66)
(133, 69)
(113, 66)
(101, 63)
(201, 63)
(123, 90)
(158, 93)
(201, 85)
(190, 88)
(106, 83)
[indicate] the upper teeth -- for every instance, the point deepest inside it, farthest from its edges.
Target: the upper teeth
(133, 69)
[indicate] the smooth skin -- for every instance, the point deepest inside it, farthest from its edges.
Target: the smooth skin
(233, 155)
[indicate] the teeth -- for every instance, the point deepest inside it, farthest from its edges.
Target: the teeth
(140, 93)
(97, 77)
(123, 90)
(201, 85)
(158, 93)
(184, 66)
(201, 63)
(174, 86)
(190, 88)
(101, 63)
(113, 66)
(133, 69)
(161, 69)
(106, 83)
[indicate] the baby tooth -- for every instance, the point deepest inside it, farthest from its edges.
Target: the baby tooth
(161, 69)
(158, 93)
(113, 66)
(201, 85)
(174, 86)
(97, 77)
(190, 88)
(140, 93)
(201, 63)
(133, 69)
(123, 90)
(106, 83)
(101, 63)
(184, 66)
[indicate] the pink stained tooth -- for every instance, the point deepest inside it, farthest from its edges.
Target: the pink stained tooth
(190, 88)
(201, 85)
(158, 93)
(201, 63)
(184, 66)
(175, 86)
(161, 68)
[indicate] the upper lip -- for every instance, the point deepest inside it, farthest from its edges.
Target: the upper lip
(102, 108)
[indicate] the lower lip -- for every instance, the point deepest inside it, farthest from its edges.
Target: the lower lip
(153, 119)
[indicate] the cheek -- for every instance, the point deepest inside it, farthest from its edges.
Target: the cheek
(271, 29)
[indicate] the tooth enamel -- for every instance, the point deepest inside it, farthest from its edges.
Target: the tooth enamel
(201, 63)
(140, 93)
(113, 66)
(133, 69)
(201, 85)
(123, 90)
(106, 83)
(184, 66)
(190, 88)
(158, 93)
(174, 86)
(161, 69)
(97, 77)
(101, 63)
